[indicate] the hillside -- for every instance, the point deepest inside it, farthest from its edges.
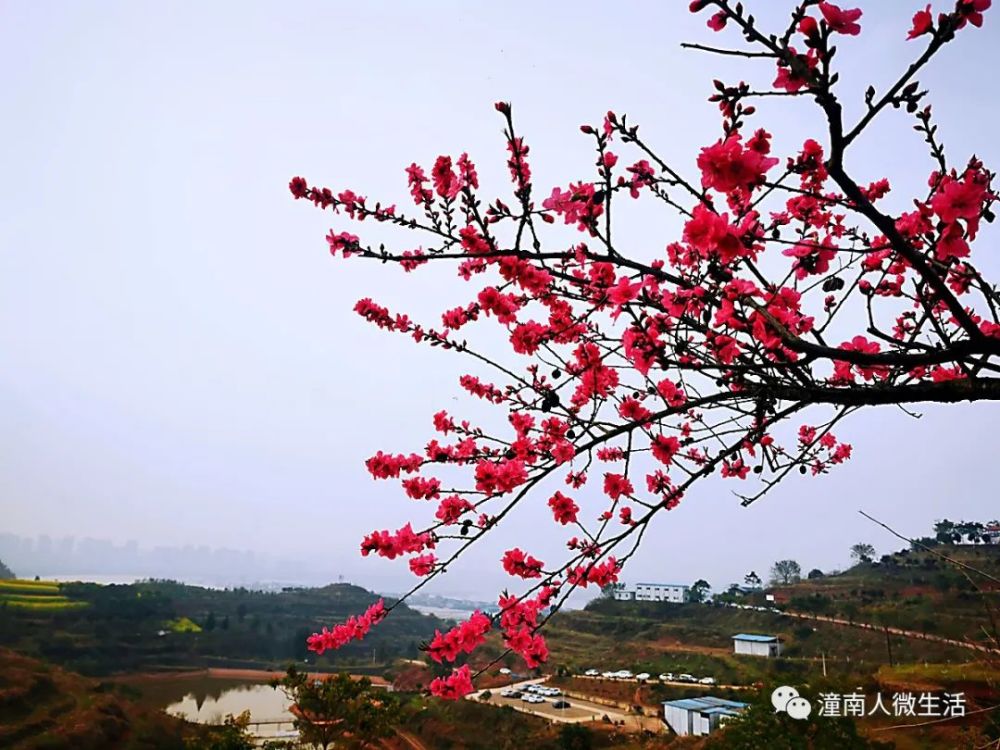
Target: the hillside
(5, 572)
(99, 630)
(47, 707)
(914, 589)
(697, 638)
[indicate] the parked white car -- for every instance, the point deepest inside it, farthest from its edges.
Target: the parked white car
(686, 678)
(592, 673)
(504, 670)
(707, 681)
(624, 674)
(609, 675)
(642, 676)
(667, 677)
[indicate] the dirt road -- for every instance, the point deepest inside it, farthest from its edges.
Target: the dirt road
(895, 631)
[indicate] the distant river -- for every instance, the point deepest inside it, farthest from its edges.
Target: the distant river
(443, 612)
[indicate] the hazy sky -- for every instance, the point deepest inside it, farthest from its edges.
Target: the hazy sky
(181, 363)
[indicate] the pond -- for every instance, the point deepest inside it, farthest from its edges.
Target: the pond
(208, 700)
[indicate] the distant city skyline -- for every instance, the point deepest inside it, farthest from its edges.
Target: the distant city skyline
(98, 559)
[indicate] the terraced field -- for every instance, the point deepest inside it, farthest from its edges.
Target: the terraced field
(35, 595)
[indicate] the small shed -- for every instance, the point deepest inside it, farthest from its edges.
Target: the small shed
(752, 644)
(699, 716)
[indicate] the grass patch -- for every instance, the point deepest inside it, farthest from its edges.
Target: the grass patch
(31, 598)
(42, 604)
(39, 596)
(944, 674)
(29, 587)
(183, 625)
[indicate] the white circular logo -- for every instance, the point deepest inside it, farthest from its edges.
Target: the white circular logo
(781, 696)
(798, 708)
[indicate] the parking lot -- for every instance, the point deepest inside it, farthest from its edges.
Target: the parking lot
(579, 710)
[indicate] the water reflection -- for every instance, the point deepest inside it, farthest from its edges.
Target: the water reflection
(208, 700)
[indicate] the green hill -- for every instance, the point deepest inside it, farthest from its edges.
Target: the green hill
(99, 630)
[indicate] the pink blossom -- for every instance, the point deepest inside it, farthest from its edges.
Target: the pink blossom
(841, 21)
(517, 563)
(923, 23)
(452, 508)
(727, 166)
(500, 478)
(617, 485)
(423, 565)
(563, 508)
(461, 639)
(355, 628)
(453, 687)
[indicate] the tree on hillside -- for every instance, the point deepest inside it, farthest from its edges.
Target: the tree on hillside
(5, 572)
(338, 710)
(752, 580)
(575, 737)
(785, 571)
(944, 532)
(862, 552)
(232, 734)
(971, 531)
(608, 590)
(793, 296)
(699, 591)
(814, 574)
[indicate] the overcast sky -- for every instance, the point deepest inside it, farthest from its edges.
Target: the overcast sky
(180, 359)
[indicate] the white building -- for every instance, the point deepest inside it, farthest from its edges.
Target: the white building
(654, 592)
(750, 644)
(661, 592)
(699, 716)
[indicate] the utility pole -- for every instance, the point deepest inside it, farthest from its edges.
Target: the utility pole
(888, 645)
(823, 656)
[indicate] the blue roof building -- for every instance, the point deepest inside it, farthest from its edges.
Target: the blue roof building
(699, 716)
(753, 644)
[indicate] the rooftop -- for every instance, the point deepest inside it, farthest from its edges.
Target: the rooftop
(707, 704)
(756, 638)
